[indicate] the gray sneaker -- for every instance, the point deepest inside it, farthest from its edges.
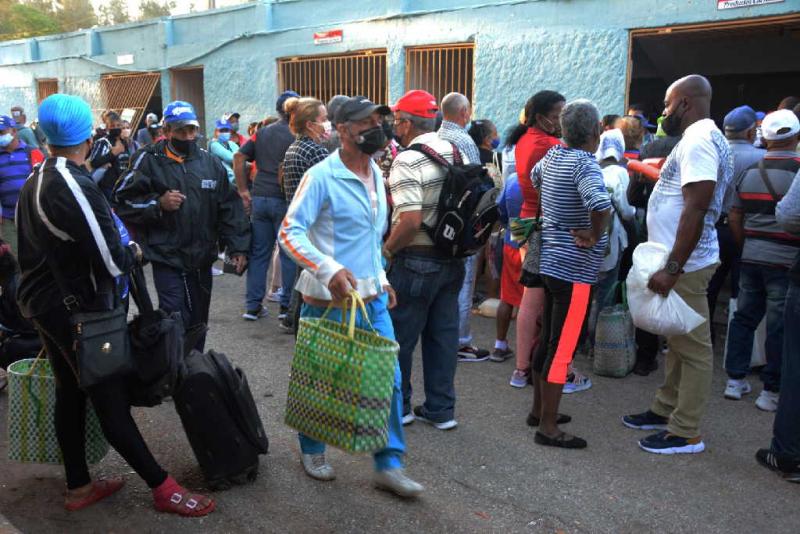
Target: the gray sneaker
(317, 467)
(396, 481)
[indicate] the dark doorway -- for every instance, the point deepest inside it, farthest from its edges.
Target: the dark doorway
(187, 85)
(753, 62)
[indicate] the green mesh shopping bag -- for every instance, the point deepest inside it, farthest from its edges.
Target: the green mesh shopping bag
(31, 409)
(340, 390)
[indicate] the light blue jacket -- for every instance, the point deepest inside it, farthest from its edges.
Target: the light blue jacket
(225, 155)
(331, 225)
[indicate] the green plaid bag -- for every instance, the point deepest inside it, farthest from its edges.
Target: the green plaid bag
(31, 409)
(340, 390)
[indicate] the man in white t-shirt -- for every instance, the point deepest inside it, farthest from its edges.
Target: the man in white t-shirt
(682, 211)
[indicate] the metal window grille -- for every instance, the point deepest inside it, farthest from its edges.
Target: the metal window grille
(358, 73)
(45, 88)
(441, 69)
(128, 91)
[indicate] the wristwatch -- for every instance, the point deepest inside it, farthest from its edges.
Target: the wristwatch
(673, 268)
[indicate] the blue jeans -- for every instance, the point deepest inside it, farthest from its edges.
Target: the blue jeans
(600, 293)
(266, 217)
(786, 432)
(427, 306)
(390, 457)
(188, 293)
(465, 296)
(762, 289)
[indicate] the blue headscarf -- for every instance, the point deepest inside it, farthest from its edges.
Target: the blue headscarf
(66, 120)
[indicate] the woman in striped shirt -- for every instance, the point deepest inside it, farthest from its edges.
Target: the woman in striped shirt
(575, 211)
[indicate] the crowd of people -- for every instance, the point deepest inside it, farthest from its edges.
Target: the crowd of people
(333, 197)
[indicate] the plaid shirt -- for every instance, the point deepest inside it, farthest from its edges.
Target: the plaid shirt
(457, 135)
(303, 154)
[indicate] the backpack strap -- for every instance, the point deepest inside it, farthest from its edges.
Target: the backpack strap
(767, 183)
(431, 154)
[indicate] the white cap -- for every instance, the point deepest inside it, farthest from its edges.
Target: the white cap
(779, 125)
(152, 117)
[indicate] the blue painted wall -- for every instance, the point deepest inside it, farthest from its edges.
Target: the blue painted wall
(579, 47)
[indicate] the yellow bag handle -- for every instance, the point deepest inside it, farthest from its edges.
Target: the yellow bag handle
(35, 362)
(353, 302)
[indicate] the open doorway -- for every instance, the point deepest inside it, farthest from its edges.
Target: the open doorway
(187, 85)
(754, 62)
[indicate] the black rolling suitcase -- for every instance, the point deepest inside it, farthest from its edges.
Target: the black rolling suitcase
(220, 419)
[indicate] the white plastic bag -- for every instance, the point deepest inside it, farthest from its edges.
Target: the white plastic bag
(665, 316)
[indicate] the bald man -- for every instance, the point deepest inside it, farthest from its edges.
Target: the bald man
(682, 212)
(456, 113)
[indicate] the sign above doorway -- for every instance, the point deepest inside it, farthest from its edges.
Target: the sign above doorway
(732, 4)
(328, 37)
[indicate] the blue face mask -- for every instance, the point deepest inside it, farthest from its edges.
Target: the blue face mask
(495, 144)
(224, 136)
(6, 139)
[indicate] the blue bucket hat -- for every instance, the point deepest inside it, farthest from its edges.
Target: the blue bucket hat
(179, 113)
(7, 122)
(66, 120)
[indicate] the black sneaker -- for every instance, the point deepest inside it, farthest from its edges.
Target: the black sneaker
(645, 421)
(787, 467)
(666, 443)
(284, 311)
(255, 315)
(468, 353)
(501, 355)
(645, 367)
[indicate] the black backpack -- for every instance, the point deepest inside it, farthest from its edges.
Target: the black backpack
(467, 208)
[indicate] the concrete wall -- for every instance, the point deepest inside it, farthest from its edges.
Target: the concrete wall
(578, 47)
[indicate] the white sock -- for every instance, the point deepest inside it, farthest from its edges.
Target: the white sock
(501, 344)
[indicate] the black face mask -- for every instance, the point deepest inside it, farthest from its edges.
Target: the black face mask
(184, 146)
(115, 132)
(371, 140)
(388, 131)
(672, 124)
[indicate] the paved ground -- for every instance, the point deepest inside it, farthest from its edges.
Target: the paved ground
(485, 476)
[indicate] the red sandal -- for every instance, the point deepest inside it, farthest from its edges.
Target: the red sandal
(170, 497)
(100, 490)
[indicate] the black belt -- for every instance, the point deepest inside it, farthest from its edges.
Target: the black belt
(422, 250)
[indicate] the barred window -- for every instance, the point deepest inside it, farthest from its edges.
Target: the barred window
(441, 69)
(128, 91)
(45, 87)
(322, 77)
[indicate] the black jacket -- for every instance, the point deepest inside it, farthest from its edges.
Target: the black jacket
(212, 213)
(117, 164)
(65, 223)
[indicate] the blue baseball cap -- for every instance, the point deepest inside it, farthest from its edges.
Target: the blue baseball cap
(286, 95)
(7, 122)
(739, 119)
(179, 113)
(222, 124)
(760, 115)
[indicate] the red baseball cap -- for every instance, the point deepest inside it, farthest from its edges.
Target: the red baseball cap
(417, 102)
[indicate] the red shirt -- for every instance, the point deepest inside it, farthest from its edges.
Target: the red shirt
(531, 147)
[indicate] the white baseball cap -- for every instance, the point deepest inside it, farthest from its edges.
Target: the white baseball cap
(779, 125)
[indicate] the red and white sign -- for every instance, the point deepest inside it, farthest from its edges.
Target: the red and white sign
(731, 4)
(328, 37)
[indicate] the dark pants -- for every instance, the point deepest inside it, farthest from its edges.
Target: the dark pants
(762, 290)
(729, 257)
(188, 293)
(427, 290)
(786, 432)
(111, 402)
(566, 308)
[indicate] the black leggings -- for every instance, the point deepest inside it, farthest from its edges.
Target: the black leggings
(111, 403)
(565, 311)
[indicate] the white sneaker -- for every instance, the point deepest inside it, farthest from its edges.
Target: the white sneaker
(216, 272)
(767, 401)
(396, 481)
(408, 418)
(736, 387)
(275, 296)
(317, 467)
(441, 425)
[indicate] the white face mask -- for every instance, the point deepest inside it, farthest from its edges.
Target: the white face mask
(6, 139)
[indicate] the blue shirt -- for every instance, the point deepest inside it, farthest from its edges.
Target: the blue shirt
(457, 135)
(509, 204)
(571, 185)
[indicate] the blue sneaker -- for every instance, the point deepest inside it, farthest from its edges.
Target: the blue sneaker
(645, 421)
(666, 443)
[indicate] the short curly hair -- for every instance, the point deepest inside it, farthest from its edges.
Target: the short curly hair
(580, 120)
